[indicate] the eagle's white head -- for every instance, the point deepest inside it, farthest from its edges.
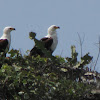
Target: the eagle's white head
(7, 30)
(52, 30)
(6, 34)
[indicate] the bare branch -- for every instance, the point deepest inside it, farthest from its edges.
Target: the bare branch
(81, 43)
(97, 55)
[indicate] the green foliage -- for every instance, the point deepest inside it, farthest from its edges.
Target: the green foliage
(73, 62)
(73, 59)
(32, 35)
(38, 78)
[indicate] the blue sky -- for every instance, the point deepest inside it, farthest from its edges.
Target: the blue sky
(73, 16)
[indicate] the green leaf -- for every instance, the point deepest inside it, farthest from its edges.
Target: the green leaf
(86, 58)
(64, 70)
(21, 93)
(26, 96)
(32, 35)
(3, 70)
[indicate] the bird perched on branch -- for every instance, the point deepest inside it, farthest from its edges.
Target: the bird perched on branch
(50, 42)
(5, 40)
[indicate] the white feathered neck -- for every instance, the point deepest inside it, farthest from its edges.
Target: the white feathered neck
(53, 34)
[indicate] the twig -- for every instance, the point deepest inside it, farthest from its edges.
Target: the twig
(98, 55)
(81, 43)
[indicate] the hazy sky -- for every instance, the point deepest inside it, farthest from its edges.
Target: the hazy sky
(73, 16)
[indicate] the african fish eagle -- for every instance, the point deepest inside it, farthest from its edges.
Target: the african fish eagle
(50, 41)
(5, 40)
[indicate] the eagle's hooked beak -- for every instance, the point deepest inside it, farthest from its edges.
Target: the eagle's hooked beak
(12, 28)
(57, 27)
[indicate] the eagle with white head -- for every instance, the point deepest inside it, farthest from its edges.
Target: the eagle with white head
(50, 41)
(5, 40)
